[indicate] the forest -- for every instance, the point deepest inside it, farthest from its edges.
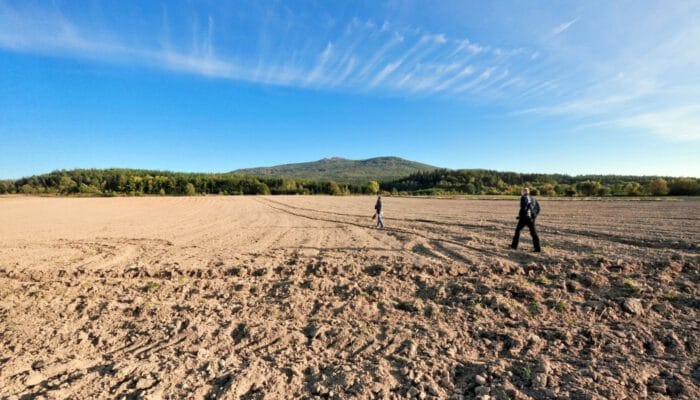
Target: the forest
(475, 181)
(132, 182)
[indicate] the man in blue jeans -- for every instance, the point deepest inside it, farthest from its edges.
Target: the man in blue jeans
(378, 209)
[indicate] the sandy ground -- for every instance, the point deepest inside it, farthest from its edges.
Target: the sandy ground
(299, 297)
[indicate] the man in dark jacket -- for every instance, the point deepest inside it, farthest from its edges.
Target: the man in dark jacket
(378, 209)
(529, 208)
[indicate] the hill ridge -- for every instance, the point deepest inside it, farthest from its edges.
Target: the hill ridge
(342, 169)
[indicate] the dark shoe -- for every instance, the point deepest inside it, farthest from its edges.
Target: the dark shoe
(537, 251)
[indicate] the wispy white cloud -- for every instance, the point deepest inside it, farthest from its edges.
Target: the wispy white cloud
(503, 74)
(559, 29)
(486, 74)
(435, 38)
(407, 65)
(682, 123)
(632, 91)
(466, 71)
(363, 55)
(650, 91)
(588, 106)
(323, 58)
(465, 45)
(379, 55)
(386, 71)
(348, 68)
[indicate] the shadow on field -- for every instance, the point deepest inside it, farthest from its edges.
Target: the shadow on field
(355, 249)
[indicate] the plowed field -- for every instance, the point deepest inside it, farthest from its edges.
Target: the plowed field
(301, 297)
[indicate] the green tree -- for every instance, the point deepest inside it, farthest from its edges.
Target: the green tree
(470, 188)
(190, 190)
(658, 187)
(633, 189)
(27, 189)
(560, 189)
(289, 186)
(547, 190)
(334, 189)
(88, 189)
(261, 188)
(67, 185)
(684, 187)
(603, 191)
(588, 188)
(373, 187)
(6, 187)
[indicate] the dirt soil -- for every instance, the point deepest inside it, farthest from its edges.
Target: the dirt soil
(300, 297)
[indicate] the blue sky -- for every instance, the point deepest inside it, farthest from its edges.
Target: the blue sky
(212, 86)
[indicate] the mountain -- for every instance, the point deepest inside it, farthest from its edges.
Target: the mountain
(342, 170)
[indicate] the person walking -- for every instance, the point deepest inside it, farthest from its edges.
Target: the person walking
(529, 209)
(378, 212)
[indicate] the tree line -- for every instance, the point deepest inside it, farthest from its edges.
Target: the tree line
(113, 182)
(130, 182)
(445, 182)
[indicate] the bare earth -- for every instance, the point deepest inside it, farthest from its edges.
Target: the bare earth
(299, 297)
